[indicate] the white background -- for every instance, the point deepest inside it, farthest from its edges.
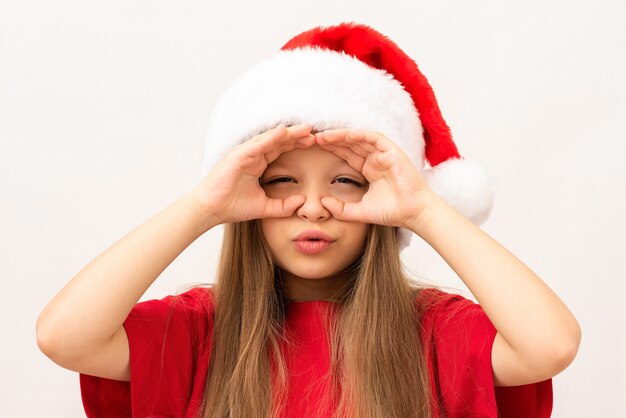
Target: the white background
(104, 106)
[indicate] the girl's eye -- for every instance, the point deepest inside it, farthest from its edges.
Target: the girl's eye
(356, 183)
(278, 180)
(286, 179)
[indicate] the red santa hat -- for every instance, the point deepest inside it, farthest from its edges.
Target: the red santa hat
(343, 76)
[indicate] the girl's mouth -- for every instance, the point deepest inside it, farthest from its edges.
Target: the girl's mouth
(312, 246)
(314, 234)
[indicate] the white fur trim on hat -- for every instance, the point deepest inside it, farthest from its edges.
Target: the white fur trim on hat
(323, 88)
(329, 89)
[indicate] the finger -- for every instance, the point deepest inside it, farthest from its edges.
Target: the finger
(361, 138)
(275, 153)
(361, 149)
(333, 136)
(366, 139)
(334, 206)
(301, 143)
(277, 131)
(295, 132)
(280, 208)
(341, 210)
(299, 129)
(354, 160)
(281, 132)
(379, 159)
(305, 141)
(263, 141)
(270, 143)
(372, 138)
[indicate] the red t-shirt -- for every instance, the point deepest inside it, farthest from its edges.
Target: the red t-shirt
(457, 333)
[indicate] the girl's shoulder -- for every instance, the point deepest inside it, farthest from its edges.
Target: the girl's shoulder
(433, 299)
(199, 298)
(439, 308)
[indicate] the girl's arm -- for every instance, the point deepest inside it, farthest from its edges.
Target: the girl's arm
(88, 314)
(537, 335)
(85, 315)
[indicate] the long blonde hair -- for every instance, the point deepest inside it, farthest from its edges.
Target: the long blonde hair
(378, 367)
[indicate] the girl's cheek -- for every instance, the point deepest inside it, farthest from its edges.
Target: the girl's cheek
(274, 192)
(348, 195)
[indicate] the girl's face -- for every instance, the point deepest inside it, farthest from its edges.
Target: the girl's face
(313, 173)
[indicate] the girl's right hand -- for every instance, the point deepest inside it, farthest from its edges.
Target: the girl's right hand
(231, 191)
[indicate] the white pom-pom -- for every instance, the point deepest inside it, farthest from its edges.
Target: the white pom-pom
(465, 186)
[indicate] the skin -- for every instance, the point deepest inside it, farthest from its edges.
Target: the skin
(82, 329)
(313, 173)
(537, 335)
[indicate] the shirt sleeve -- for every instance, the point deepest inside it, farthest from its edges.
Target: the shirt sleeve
(168, 338)
(460, 337)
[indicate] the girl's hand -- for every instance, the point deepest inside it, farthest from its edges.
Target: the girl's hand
(397, 192)
(231, 192)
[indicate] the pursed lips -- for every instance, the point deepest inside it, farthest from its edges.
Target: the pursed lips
(314, 235)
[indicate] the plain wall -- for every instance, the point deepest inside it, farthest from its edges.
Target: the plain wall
(104, 107)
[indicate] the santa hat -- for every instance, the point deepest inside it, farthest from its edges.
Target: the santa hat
(343, 76)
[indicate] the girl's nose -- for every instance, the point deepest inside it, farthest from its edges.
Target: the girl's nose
(312, 208)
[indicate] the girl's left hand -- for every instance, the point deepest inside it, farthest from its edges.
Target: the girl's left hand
(397, 194)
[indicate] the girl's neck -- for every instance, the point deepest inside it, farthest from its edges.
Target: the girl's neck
(325, 289)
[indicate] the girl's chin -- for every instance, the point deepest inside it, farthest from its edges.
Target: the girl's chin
(305, 273)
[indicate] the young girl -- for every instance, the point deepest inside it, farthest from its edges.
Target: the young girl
(311, 314)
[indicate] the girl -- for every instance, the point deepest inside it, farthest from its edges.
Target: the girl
(311, 313)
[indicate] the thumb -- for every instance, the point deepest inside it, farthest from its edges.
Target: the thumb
(280, 208)
(336, 207)
(292, 203)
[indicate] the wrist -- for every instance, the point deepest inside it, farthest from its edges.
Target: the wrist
(431, 206)
(199, 202)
